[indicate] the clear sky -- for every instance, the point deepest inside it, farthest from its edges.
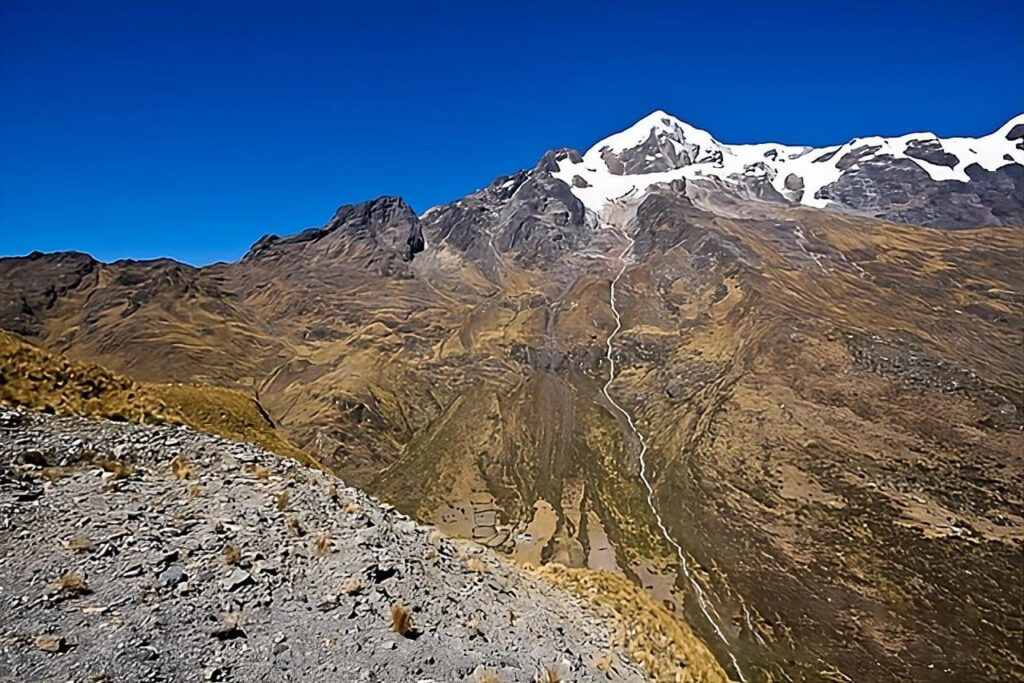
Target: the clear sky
(137, 128)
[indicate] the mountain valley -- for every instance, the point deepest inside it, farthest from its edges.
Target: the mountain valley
(797, 422)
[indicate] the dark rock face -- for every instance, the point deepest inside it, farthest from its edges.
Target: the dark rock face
(899, 190)
(33, 284)
(855, 156)
(932, 152)
(667, 219)
(380, 232)
(549, 162)
(529, 214)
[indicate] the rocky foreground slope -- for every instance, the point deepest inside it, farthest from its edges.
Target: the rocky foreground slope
(155, 553)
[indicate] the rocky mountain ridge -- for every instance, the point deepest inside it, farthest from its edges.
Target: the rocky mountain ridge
(915, 178)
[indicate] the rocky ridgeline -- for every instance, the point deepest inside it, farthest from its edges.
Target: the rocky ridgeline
(154, 553)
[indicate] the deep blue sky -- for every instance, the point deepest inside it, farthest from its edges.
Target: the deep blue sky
(189, 129)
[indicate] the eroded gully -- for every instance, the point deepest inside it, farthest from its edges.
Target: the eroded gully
(705, 607)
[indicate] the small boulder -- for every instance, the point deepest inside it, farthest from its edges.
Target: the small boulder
(236, 579)
(172, 576)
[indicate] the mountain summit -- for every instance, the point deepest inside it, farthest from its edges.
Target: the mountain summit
(968, 181)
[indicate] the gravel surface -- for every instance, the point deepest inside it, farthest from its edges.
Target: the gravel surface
(214, 560)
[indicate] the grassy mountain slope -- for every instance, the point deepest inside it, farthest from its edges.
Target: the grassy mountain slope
(833, 408)
(34, 378)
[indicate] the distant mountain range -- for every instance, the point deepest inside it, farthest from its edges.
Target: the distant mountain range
(916, 178)
(810, 446)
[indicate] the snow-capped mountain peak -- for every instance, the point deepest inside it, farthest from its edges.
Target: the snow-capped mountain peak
(657, 142)
(660, 148)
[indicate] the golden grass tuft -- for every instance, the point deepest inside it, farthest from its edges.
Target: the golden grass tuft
(603, 662)
(294, 526)
(550, 674)
(232, 555)
(72, 585)
(352, 586)
(259, 472)
(195, 490)
(80, 543)
(488, 676)
(324, 544)
(401, 620)
(352, 508)
(475, 564)
(119, 470)
(283, 498)
(48, 642)
(54, 474)
(180, 467)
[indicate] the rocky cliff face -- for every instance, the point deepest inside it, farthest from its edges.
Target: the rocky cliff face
(376, 235)
(35, 283)
(899, 190)
(530, 215)
(824, 376)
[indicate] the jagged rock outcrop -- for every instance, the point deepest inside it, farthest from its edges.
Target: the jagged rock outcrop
(377, 235)
(899, 190)
(33, 284)
(529, 215)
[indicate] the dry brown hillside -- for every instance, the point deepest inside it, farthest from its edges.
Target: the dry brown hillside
(832, 405)
(37, 379)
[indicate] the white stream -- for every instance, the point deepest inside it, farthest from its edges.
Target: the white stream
(702, 600)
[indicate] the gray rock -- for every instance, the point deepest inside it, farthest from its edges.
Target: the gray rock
(173, 575)
(236, 579)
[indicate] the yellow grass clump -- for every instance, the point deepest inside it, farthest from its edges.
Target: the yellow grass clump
(72, 585)
(665, 647)
(180, 467)
(401, 620)
(324, 544)
(80, 543)
(232, 555)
